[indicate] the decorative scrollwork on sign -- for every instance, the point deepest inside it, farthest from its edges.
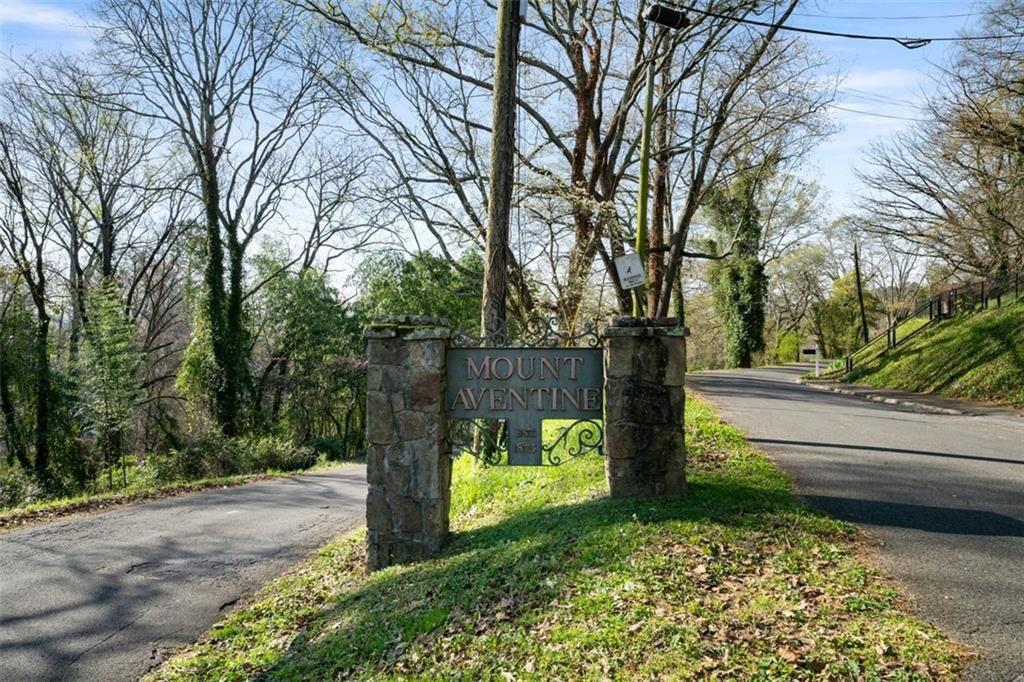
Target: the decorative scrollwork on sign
(479, 438)
(581, 437)
(488, 442)
(539, 332)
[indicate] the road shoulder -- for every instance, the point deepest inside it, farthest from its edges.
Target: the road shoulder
(920, 402)
(61, 510)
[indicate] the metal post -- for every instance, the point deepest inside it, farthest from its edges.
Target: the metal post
(644, 185)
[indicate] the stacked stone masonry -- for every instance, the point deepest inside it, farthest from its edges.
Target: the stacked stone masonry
(645, 365)
(408, 467)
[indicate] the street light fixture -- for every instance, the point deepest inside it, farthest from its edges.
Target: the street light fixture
(664, 15)
(669, 18)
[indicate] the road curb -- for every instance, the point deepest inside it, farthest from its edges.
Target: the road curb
(878, 398)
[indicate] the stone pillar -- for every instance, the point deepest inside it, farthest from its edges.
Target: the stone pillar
(644, 366)
(408, 467)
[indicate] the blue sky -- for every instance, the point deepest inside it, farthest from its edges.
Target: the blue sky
(883, 80)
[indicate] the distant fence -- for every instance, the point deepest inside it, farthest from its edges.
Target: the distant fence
(963, 299)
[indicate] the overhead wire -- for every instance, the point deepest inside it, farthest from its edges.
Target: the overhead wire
(872, 113)
(867, 99)
(807, 15)
(907, 42)
(886, 99)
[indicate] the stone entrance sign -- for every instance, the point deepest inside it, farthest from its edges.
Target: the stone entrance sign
(625, 398)
(522, 387)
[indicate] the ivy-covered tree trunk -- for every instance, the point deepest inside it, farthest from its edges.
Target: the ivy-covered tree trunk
(225, 396)
(236, 368)
(739, 281)
(740, 288)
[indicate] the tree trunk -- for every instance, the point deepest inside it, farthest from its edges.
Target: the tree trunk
(15, 445)
(107, 245)
(494, 311)
(237, 347)
(226, 405)
(656, 241)
(77, 282)
(42, 436)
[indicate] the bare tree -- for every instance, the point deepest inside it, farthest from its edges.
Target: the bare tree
(97, 163)
(239, 84)
(951, 187)
(26, 227)
(582, 69)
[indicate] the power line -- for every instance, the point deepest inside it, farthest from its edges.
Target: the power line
(878, 18)
(887, 98)
(872, 113)
(909, 43)
(879, 99)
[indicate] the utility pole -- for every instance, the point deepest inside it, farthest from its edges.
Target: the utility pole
(860, 295)
(493, 313)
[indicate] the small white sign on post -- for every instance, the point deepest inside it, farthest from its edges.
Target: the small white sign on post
(631, 270)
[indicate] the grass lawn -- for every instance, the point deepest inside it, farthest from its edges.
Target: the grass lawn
(871, 350)
(548, 578)
(980, 357)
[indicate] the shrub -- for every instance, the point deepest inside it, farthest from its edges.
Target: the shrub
(264, 454)
(208, 457)
(331, 449)
(216, 455)
(16, 487)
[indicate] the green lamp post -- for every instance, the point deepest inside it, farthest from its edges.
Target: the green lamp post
(673, 19)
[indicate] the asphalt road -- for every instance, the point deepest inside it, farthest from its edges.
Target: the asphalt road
(942, 495)
(103, 597)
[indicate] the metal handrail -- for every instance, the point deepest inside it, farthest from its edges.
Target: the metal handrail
(942, 306)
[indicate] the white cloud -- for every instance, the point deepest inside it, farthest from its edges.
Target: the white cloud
(39, 15)
(883, 79)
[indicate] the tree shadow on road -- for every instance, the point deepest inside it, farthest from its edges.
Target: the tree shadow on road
(946, 520)
(879, 448)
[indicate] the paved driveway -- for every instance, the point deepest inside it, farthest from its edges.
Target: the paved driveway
(942, 495)
(102, 597)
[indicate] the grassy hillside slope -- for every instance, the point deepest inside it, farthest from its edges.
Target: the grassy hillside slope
(548, 578)
(980, 357)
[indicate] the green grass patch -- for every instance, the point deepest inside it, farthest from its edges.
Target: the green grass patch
(546, 577)
(978, 357)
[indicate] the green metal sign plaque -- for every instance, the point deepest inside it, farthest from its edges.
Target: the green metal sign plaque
(522, 387)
